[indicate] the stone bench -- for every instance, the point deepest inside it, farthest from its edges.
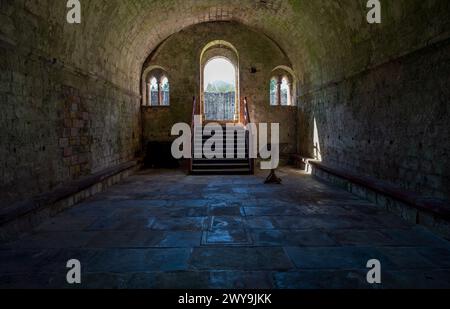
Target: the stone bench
(431, 212)
(300, 162)
(24, 215)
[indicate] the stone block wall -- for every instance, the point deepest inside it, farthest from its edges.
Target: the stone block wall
(180, 56)
(59, 124)
(44, 61)
(390, 122)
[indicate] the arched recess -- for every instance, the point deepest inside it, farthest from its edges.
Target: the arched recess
(157, 71)
(213, 50)
(282, 72)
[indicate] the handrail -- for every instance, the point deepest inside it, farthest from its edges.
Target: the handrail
(194, 113)
(245, 122)
(246, 112)
(194, 110)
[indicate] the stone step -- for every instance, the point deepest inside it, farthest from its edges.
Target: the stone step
(224, 160)
(240, 148)
(225, 171)
(219, 166)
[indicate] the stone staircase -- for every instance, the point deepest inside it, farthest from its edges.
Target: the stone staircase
(241, 164)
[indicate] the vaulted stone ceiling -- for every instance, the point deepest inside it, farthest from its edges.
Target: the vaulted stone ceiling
(326, 40)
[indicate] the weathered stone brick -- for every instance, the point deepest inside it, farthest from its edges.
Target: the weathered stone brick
(353, 85)
(67, 151)
(63, 142)
(74, 132)
(68, 123)
(74, 160)
(74, 141)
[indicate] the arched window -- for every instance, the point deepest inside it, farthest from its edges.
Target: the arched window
(219, 78)
(165, 91)
(157, 88)
(285, 92)
(281, 88)
(273, 91)
(154, 101)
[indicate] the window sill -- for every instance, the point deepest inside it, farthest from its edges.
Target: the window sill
(283, 106)
(155, 106)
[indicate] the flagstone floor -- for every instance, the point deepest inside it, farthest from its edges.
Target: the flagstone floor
(163, 229)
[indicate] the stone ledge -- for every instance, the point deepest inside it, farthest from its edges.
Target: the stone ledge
(300, 162)
(431, 212)
(20, 215)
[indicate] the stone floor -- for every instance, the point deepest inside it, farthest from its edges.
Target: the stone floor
(162, 229)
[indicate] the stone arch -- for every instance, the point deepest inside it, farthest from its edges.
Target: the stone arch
(289, 73)
(156, 70)
(217, 49)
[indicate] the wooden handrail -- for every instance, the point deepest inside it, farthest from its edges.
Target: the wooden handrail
(245, 121)
(194, 113)
(246, 112)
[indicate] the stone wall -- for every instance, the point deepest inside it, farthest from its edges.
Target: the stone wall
(337, 56)
(180, 56)
(390, 122)
(58, 123)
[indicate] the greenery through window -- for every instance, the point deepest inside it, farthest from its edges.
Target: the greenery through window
(273, 92)
(219, 89)
(154, 92)
(165, 90)
(158, 90)
(280, 91)
(285, 92)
